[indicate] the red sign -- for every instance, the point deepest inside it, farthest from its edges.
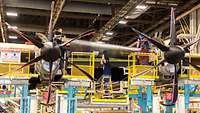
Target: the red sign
(168, 96)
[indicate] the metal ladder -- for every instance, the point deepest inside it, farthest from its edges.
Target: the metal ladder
(106, 87)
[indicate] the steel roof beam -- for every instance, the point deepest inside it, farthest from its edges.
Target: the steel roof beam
(43, 29)
(36, 12)
(116, 2)
(119, 16)
(69, 7)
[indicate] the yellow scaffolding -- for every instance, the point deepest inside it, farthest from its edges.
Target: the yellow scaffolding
(10, 69)
(193, 73)
(112, 97)
(87, 65)
(135, 67)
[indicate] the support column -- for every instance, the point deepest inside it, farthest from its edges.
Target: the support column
(156, 104)
(15, 90)
(187, 96)
(149, 98)
(28, 104)
(141, 100)
(58, 101)
(180, 108)
(33, 104)
(24, 99)
(71, 99)
(169, 109)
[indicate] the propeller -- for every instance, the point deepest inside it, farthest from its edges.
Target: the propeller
(51, 53)
(173, 54)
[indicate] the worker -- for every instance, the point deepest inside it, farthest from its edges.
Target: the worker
(106, 71)
(145, 47)
(106, 64)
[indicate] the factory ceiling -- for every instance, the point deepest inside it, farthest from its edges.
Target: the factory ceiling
(80, 15)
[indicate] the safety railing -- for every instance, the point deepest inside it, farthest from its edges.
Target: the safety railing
(191, 71)
(86, 63)
(138, 62)
(12, 68)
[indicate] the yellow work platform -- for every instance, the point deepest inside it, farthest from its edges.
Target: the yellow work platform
(10, 70)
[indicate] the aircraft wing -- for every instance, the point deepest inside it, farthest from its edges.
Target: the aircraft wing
(113, 50)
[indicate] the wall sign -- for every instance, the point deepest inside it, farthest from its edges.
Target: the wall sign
(10, 56)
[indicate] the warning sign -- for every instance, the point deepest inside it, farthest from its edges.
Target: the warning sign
(10, 56)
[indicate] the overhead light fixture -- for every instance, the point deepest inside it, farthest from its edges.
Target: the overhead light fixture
(141, 7)
(12, 27)
(11, 14)
(100, 42)
(123, 22)
(12, 37)
(109, 33)
(106, 38)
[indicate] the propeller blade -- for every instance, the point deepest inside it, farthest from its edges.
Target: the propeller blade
(175, 89)
(89, 32)
(190, 44)
(32, 62)
(49, 94)
(48, 104)
(146, 71)
(172, 28)
(193, 65)
(83, 71)
(153, 41)
(50, 28)
(186, 47)
(50, 81)
(32, 40)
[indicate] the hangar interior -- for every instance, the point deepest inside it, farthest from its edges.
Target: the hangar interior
(99, 56)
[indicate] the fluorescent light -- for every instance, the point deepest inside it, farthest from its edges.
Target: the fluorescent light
(100, 42)
(11, 14)
(13, 37)
(122, 22)
(141, 7)
(109, 33)
(12, 27)
(106, 38)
